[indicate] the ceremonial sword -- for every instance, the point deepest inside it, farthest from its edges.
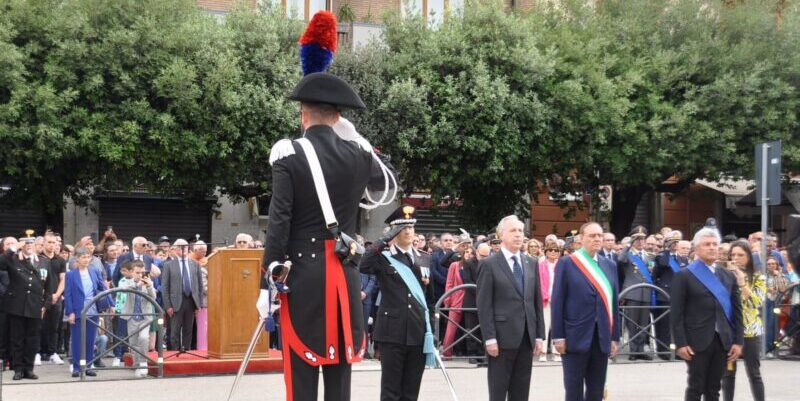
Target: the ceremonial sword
(446, 376)
(247, 355)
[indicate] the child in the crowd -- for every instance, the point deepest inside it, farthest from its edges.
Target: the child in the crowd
(120, 326)
(135, 311)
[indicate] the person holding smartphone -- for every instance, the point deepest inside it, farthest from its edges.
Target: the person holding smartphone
(753, 287)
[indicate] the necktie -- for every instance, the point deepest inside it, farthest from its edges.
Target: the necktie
(187, 285)
(137, 308)
(517, 270)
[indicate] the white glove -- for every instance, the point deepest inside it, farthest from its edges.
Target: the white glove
(262, 305)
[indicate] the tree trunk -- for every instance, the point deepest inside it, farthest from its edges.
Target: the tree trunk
(624, 202)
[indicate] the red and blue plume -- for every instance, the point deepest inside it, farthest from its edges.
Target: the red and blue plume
(318, 43)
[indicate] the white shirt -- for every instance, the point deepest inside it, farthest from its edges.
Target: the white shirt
(508, 255)
(137, 257)
(406, 251)
(181, 263)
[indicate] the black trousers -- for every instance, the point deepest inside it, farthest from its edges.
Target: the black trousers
(181, 324)
(705, 372)
(5, 337)
(303, 381)
(585, 370)
(401, 371)
(50, 325)
(663, 330)
(751, 352)
(510, 372)
(25, 338)
(474, 348)
(639, 318)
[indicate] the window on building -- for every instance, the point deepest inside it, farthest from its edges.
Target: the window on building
(302, 9)
(436, 10)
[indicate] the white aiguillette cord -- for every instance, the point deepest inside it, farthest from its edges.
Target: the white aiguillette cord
(319, 183)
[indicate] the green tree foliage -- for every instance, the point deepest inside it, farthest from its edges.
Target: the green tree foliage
(98, 94)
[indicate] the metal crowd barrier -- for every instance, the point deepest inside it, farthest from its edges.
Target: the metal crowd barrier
(157, 315)
(785, 340)
(468, 333)
(647, 330)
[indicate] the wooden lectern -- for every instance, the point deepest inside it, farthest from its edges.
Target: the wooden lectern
(234, 278)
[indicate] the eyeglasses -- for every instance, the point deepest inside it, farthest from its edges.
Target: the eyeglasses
(551, 250)
(241, 242)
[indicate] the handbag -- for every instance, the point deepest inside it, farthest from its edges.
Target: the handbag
(345, 246)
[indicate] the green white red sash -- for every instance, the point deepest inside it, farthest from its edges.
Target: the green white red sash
(591, 269)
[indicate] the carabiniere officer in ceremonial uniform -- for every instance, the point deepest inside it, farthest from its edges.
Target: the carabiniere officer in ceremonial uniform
(634, 268)
(321, 318)
(24, 303)
(402, 329)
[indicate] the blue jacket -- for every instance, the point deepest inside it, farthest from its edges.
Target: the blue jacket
(127, 257)
(74, 295)
(369, 286)
(576, 307)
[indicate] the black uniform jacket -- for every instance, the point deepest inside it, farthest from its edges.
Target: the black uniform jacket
(296, 230)
(662, 272)
(27, 290)
(400, 319)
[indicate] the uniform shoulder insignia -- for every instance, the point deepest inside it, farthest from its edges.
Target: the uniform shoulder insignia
(347, 131)
(281, 149)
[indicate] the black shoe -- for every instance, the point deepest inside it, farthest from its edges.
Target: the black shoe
(30, 375)
(99, 364)
(646, 357)
(633, 358)
(76, 374)
(91, 373)
(18, 375)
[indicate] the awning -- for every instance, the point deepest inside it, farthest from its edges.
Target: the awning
(729, 187)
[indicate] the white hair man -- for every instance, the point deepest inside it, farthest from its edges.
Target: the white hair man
(510, 312)
(181, 292)
(243, 241)
(706, 317)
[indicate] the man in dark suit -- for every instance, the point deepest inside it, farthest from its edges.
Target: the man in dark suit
(634, 267)
(510, 314)
(369, 286)
(706, 318)
(403, 333)
(471, 270)
(24, 304)
(585, 318)
(667, 263)
(609, 248)
(139, 252)
(182, 289)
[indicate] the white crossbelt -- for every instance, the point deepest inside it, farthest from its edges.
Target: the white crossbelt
(319, 182)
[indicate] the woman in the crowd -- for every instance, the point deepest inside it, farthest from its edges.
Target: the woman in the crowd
(82, 284)
(753, 289)
(776, 284)
(534, 249)
(547, 274)
(455, 300)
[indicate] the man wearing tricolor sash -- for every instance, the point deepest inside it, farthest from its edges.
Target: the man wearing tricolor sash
(584, 316)
(706, 318)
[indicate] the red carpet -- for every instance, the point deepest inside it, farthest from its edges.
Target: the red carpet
(187, 364)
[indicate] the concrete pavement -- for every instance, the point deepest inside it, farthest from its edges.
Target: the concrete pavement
(657, 381)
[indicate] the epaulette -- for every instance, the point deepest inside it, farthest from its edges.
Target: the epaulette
(281, 149)
(347, 131)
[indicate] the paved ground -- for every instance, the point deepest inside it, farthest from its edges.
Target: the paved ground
(658, 381)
